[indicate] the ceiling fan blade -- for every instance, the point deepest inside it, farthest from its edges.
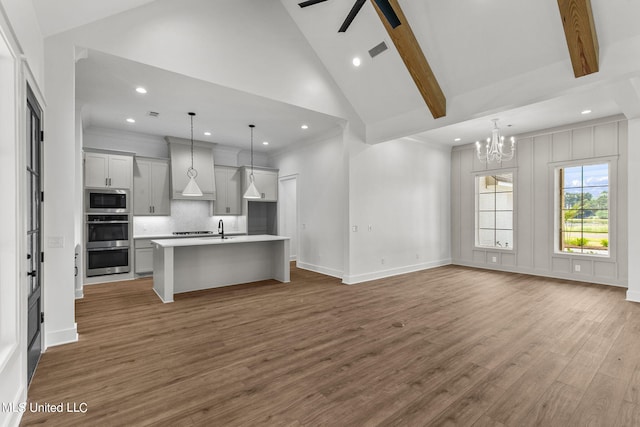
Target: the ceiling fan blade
(352, 14)
(310, 3)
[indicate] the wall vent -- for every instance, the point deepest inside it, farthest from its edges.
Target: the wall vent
(153, 114)
(378, 49)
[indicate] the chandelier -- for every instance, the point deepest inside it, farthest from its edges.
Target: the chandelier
(493, 150)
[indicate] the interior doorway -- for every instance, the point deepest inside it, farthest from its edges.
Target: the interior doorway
(288, 212)
(34, 234)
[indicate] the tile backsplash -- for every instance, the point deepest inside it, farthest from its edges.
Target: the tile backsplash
(187, 215)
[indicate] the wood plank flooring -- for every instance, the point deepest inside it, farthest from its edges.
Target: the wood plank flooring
(443, 347)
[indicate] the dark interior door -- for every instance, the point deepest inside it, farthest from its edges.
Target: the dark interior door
(34, 237)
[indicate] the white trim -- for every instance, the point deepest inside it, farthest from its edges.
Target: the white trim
(381, 274)
(319, 269)
(14, 418)
(79, 293)
(633, 296)
(545, 273)
(63, 336)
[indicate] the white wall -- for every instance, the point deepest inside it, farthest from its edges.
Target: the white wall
(400, 204)
(537, 156)
(633, 293)
(60, 164)
(322, 200)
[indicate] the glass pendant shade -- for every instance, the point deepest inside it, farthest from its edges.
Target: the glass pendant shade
(192, 189)
(252, 192)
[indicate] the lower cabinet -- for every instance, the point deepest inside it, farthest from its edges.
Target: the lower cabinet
(143, 256)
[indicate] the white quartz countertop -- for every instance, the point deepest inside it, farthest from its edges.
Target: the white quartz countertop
(216, 240)
(174, 236)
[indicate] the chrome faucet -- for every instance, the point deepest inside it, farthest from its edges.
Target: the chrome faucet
(221, 229)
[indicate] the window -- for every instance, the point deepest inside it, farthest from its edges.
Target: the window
(494, 211)
(584, 209)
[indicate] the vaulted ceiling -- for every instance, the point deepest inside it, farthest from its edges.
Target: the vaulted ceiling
(507, 59)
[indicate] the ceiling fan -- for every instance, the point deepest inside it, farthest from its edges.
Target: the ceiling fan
(384, 6)
(408, 48)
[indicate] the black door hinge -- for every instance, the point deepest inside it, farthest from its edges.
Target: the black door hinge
(41, 256)
(41, 135)
(42, 317)
(42, 196)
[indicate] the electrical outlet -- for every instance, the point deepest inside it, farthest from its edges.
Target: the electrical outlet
(370, 227)
(382, 261)
(417, 256)
(354, 228)
(577, 267)
(494, 259)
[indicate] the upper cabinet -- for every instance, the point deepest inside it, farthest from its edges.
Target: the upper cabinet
(266, 181)
(228, 187)
(151, 187)
(180, 151)
(104, 170)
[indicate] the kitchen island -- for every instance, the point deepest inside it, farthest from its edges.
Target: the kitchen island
(191, 264)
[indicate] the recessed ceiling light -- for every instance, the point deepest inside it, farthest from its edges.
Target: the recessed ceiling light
(130, 120)
(140, 89)
(586, 111)
(356, 61)
(304, 127)
(265, 143)
(457, 139)
(207, 133)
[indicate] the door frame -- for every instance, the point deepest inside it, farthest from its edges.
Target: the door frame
(281, 180)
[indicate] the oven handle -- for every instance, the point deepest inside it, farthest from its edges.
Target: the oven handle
(107, 222)
(116, 248)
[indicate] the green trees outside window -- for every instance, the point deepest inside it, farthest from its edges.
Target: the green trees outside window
(584, 213)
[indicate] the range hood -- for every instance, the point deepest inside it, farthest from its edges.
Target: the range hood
(180, 153)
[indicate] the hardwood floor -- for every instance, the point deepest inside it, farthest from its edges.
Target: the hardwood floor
(443, 347)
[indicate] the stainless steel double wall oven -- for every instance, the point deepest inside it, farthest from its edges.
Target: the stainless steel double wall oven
(107, 231)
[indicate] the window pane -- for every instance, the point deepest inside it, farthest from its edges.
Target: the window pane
(595, 175)
(487, 202)
(572, 177)
(584, 214)
(504, 238)
(494, 215)
(487, 219)
(504, 220)
(486, 238)
(504, 201)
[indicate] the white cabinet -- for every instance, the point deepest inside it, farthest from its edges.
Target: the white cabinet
(151, 187)
(266, 181)
(143, 256)
(228, 186)
(102, 170)
(202, 163)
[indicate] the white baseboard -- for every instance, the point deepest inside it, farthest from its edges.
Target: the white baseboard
(319, 269)
(545, 273)
(63, 336)
(633, 296)
(13, 419)
(79, 294)
(381, 274)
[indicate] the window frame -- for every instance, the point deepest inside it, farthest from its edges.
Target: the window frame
(514, 227)
(611, 161)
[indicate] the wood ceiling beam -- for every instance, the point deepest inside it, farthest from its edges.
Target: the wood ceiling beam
(580, 31)
(413, 57)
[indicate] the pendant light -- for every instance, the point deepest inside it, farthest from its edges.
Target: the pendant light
(252, 192)
(192, 189)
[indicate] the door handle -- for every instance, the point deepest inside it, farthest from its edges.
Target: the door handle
(32, 273)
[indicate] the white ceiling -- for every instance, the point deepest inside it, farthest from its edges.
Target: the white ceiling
(55, 16)
(503, 59)
(105, 87)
